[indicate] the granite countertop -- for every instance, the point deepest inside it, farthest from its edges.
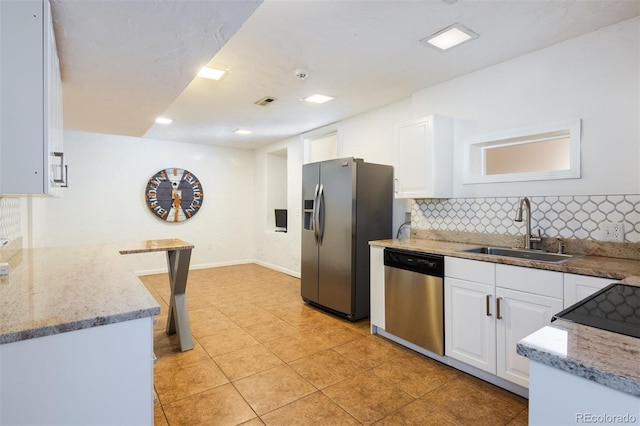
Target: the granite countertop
(55, 290)
(147, 246)
(599, 266)
(587, 352)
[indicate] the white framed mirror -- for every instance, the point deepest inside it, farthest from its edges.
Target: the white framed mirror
(544, 152)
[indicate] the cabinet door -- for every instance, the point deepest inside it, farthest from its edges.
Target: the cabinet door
(30, 105)
(424, 166)
(411, 172)
(578, 287)
(519, 314)
(470, 332)
(377, 286)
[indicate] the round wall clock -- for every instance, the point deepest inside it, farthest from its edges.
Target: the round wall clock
(174, 194)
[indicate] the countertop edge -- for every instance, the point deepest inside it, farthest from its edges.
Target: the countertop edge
(575, 368)
(580, 265)
(33, 333)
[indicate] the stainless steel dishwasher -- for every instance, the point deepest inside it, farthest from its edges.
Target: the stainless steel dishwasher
(414, 298)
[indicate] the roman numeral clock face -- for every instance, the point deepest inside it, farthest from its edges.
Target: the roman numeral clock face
(174, 194)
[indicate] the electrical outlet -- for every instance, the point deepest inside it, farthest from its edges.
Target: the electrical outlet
(612, 231)
(618, 232)
(407, 216)
(4, 269)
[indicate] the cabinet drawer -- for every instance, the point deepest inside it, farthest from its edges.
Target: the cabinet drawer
(470, 270)
(530, 280)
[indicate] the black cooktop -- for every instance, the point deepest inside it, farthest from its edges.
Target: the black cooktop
(615, 308)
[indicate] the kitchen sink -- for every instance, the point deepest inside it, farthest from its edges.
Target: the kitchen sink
(537, 255)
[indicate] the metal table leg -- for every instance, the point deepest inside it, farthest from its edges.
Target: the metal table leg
(178, 321)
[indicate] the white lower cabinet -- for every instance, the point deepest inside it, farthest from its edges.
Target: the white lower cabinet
(376, 266)
(520, 314)
(489, 308)
(487, 311)
(470, 334)
(578, 287)
(557, 397)
(94, 376)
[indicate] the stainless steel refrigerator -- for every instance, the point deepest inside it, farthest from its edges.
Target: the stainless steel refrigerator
(346, 204)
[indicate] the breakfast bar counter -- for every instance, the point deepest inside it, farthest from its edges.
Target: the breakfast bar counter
(54, 290)
(178, 258)
(76, 339)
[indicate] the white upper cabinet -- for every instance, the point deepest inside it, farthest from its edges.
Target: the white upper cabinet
(31, 158)
(424, 163)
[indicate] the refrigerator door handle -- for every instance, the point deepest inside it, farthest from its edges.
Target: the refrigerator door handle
(315, 214)
(320, 216)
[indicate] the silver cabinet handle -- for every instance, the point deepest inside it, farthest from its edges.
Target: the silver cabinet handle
(498, 315)
(488, 305)
(64, 171)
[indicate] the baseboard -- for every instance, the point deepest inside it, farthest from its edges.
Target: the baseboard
(220, 264)
(295, 274)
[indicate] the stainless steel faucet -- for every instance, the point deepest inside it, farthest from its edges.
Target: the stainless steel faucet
(529, 239)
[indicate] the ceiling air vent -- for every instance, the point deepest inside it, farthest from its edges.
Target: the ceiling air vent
(265, 101)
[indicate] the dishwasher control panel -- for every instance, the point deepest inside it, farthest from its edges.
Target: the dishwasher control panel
(429, 264)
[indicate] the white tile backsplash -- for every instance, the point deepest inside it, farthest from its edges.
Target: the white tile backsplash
(577, 217)
(9, 217)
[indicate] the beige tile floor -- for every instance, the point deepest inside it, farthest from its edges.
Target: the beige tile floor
(263, 357)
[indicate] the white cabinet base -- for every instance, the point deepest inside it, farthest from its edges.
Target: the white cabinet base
(559, 398)
(376, 264)
(94, 376)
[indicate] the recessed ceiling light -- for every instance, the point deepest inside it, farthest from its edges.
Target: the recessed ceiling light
(449, 37)
(243, 131)
(163, 120)
(212, 73)
(318, 98)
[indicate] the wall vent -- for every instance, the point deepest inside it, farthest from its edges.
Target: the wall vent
(265, 101)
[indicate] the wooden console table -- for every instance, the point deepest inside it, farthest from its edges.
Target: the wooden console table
(178, 257)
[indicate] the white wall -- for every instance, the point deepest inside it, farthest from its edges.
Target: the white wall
(594, 77)
(368, 136)
(276, 186)
(372, 136)
(278, 250)
(105, 200)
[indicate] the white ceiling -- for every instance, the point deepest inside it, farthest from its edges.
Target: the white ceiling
(126, 62)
